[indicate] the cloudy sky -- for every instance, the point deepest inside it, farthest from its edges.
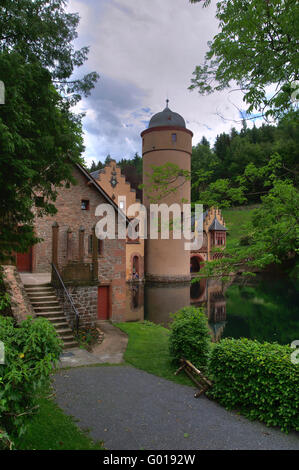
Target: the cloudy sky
(146, 51)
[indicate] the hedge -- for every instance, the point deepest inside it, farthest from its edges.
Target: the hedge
(257, 379)
(190, 336)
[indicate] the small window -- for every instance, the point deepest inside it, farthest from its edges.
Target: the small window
(121, 205)
(173, 137)
(85, 205)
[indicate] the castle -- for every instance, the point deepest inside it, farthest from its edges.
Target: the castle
(96, 272)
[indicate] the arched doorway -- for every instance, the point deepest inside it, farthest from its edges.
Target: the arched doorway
(194, 264)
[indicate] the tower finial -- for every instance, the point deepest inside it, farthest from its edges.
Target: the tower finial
(167, 101)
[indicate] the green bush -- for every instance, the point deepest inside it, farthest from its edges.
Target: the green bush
(31, 350)
(190, 336)
(257, 379)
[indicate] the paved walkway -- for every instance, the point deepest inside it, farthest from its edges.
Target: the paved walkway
(130, 409)
(111, 350)
(35, 278)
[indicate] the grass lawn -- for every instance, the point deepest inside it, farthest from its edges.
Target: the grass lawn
(148, 350)
(51, 429)
(235, 220)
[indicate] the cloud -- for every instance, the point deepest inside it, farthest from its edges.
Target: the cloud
(145, 52)
(112, 125)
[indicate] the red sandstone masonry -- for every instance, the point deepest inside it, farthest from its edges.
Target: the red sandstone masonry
(112, 262)
(20, 304)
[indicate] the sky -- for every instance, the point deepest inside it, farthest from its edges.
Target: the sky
(146, 51)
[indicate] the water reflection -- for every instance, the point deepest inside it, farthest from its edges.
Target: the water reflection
(264, 309)
(135, 302)
(156, 302)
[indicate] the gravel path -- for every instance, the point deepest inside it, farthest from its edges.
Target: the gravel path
(130, 409)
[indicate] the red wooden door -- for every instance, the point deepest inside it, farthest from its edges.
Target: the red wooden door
(103, 303)
(24, 261)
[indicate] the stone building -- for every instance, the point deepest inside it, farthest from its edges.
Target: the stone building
(114, 183)
(95, 271)
(214, 239)
(96, 283)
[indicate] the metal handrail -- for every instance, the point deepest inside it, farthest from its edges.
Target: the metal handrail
(69, 298)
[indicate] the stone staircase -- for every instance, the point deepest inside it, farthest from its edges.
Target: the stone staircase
(46, 305)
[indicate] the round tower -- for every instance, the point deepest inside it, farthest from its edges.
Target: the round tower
(167, 140)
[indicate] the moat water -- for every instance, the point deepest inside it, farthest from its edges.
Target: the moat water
(262, 308)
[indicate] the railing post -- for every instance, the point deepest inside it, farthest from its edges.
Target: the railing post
(95, 264)
(66, 294)
(55, 233)
(81, 243)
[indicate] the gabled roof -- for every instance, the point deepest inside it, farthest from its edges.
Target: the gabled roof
(216, 225)
(101, 190)
(95, 174)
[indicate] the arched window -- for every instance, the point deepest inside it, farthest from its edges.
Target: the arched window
(135, 267)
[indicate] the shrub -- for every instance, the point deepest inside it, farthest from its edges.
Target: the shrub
(257, 379)
(190, 336)
(88, 337)
(5, 307)
(31, 350)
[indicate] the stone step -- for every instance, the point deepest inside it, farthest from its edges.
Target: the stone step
(65, 332)
(54, 319)
(41, 293)
(70, 345)
(41, 297)
(61, 325)
(36, 286)
(48, 303)
(48, 309)
(68, 339)
(50, 315)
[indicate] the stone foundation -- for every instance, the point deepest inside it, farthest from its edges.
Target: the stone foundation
(85, 299)
(167, 279)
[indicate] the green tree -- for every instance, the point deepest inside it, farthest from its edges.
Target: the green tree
(272, 235)
(44, 30)
(96, 166)
(257, 46)
(39, 139)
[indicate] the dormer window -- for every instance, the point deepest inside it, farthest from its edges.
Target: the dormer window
(85, 205)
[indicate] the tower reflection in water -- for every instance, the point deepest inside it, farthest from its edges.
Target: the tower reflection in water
(156, 302)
